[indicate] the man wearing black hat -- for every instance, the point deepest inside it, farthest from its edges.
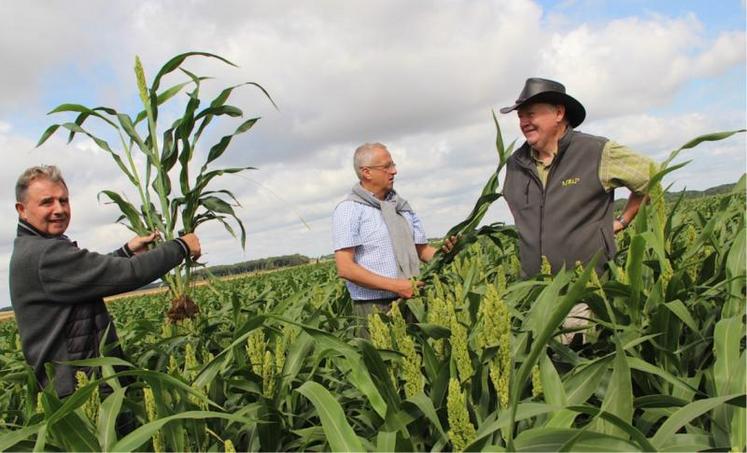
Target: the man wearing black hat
(560, 183)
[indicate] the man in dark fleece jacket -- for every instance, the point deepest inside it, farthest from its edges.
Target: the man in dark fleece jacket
(57, 289)
(560, 185)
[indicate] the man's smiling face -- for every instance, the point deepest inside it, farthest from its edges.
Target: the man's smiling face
(46, 207)
(542, 124)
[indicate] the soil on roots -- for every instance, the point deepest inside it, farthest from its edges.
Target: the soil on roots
(183, 307)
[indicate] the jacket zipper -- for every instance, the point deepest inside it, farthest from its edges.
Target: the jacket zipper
(533, 173)
(543, 187)
(555, 164)
(562, 146)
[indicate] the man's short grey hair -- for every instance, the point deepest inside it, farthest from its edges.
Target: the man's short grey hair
(364, 155)
(49, 172)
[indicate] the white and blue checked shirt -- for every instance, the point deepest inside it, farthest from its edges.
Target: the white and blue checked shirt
(360, 226)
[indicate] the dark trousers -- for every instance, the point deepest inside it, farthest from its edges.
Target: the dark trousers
(363, 308)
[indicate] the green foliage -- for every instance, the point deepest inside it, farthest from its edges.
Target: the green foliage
(174, 197)
(275, 363)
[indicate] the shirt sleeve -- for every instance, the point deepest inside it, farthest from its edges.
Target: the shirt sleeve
(123, 252)
(346, 226)
(418, 232)
(620, 166)
(70, 274)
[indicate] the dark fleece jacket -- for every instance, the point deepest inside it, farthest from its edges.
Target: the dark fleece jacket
(57, 292)
(570, 219)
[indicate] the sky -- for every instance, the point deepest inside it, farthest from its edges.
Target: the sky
(421, 77)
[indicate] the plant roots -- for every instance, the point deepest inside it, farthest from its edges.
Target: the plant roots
(183, 307)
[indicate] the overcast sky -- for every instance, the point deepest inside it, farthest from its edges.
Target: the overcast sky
(421, 77)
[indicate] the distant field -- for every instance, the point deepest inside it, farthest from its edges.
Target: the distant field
(7, 315)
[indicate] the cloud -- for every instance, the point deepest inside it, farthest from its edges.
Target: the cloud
(711, 163)
(349, 74)
(659, 135)
(75, 37)
(633, 64)
(728, 50)
(421, 80)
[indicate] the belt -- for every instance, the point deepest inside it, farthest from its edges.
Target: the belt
(385, 300)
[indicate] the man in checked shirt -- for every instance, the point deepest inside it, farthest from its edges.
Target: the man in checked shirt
(378, 239)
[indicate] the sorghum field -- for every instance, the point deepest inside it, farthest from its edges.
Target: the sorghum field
(273, 362)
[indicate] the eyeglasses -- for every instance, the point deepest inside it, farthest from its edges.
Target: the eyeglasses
(385, 167)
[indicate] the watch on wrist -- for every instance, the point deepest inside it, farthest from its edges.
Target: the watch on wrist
(622, 221)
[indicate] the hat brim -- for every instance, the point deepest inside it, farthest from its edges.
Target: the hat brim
(574, 111)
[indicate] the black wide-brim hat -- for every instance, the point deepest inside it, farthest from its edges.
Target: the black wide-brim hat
(550, 92)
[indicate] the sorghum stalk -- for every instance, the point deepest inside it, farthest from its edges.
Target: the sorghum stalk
(458, 297)
(144, 194)
(415, 287)
(499, 321)
(167, 329)
(461, 430)
(39, 404)
(693, 267)
(255, 349)
(458, 265)
(379, 331)
(190, 362)
(656, 195)
(317, 298)
(173, 366)
(438, 314)
(196, 400)
(545, 267)
(438, 288)
(268, 374)
(381, 337)
(536, 382)
(500, 280)
(150, 412)
(515, 265)
(459, 346)
(207, 356)
(414, 381)
(281, 345)
(488, 312)
(153, 151)
(91, 406)
(177, 282)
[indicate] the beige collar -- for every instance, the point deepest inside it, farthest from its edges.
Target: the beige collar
(537, 160)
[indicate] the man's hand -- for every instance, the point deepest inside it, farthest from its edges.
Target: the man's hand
(449, 244)
(426, 252)
(403, 288)
(193, 242)
(617, 226)
(139, 244)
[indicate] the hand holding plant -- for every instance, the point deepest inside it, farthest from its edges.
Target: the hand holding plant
(139, 244)
(193, 243)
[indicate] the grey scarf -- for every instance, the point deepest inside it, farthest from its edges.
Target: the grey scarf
(408, 262)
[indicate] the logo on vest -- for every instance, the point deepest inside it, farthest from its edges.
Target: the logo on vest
(570, 182)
